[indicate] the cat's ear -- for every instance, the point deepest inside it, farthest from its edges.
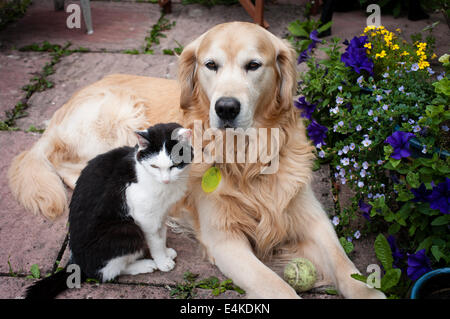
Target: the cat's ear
(183, 134)
(142, 137)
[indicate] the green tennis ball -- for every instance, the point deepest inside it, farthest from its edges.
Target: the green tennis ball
(300, 274)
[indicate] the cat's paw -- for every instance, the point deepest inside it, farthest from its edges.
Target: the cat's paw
(142, 266)
(165, 264)
(171, 253)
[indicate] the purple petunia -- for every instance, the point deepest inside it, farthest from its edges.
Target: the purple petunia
(399, 140)
(397, 254)
(355, 55)
(316, 132)
(303, 57)
(365, 208)
(306, 108)
(440, 197)
(314, 36)
(418, 265)
(421, 194)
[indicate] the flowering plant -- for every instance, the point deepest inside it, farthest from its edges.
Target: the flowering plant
(379, 115)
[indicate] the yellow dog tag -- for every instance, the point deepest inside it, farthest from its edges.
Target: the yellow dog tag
(211, 179)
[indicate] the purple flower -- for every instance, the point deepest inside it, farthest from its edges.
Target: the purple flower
(399, 140)
(314, 36)
(303, 57)
(397, 254)
(421, 194)
(316, 132)
(440, 197)
(418, 264)
(365, 208)
(355, 55)
(307, 108)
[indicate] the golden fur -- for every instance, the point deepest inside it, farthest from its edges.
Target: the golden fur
(252, 218)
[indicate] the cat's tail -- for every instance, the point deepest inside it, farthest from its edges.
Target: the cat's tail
(34, 182)
(50, 287)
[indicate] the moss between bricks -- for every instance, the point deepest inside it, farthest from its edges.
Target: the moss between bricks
(155, 34)
(38, 83)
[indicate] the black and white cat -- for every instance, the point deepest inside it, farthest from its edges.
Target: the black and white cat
(119, 208)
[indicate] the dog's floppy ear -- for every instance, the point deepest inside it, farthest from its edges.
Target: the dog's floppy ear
(186, 73)
(286, 60)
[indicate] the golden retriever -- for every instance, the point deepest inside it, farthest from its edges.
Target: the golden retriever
(236, 75)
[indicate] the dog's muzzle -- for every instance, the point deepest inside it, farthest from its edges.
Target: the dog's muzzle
(227, 109)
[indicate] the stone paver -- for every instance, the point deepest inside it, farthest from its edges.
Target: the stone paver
(78, 70)
(117, 26)
(16, 70)
(193, 20)
(24, 239)
(322, 188)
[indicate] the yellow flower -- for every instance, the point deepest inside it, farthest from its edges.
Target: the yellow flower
(382, 54)
(434, 56)
(423, 64)
(421, 46)
(395, 47)
(368, 28)
(368, 45)
(398, 30)
(404, 53)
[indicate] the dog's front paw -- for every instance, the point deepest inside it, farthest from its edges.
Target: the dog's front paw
(171, 253)
(165, 264)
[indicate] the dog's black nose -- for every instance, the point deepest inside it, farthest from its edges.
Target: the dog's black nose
(227, 108)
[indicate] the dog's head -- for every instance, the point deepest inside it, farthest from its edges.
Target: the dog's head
(241, 72)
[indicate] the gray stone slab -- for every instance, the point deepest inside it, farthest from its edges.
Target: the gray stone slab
(115, 291)
(321, 185)
(78, 70)
(117, 26)
(16, 70)
(193, 20)
(25, 239)
(13, 287)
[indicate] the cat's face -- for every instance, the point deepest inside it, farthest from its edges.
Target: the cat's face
(165, 152)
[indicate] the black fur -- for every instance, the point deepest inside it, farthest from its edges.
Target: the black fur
(100, 227)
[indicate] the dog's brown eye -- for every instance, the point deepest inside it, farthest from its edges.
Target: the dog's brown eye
(211, 65)
(252, 66)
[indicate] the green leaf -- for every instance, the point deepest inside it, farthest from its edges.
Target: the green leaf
(383, 252)
(348, 246)
(394, 162)
(390, 279)
(297, 30)
(405, 196)
(168, 52)
(437, 253)
(413, 179)
(441, 220)
(425, 244)
(359, 277)
(393, 229)
(331, 291)
(35, 272)
(326, 26)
